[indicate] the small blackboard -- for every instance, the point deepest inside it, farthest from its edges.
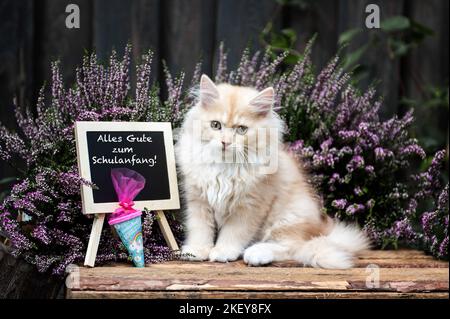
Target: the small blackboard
(146, 148)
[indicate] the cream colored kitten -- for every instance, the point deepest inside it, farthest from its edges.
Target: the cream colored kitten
(236, 205)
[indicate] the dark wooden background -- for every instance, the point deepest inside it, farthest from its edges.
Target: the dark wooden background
(33, 33)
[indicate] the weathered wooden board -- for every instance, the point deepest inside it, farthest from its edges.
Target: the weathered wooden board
(402, 274)
(57, 42)
(320, 18)
(419, 70)
(188, 35)
(111, 26)
(239, 24)
(250, 295)
(145, 33)
(117, 23)
(16, 67)
(352, 14)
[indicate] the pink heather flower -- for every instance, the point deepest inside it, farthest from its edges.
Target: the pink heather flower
(339, 203)
(354, 209)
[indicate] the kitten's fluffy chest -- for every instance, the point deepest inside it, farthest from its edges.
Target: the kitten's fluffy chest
(224, 187)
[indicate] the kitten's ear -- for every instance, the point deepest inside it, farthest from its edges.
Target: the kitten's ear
(208, 90)
(263, 102)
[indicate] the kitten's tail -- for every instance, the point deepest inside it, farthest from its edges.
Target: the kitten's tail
(335, 250)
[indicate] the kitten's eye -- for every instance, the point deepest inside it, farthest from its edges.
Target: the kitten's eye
(216, 125)
(241, 129)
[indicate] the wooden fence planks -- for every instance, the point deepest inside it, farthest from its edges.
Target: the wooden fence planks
(57, 42)
(383, 68)
(16, 67)
(111, 26)
(420, 68)
(239, 24)
(321, 18)
(145, 32)
(188, 35)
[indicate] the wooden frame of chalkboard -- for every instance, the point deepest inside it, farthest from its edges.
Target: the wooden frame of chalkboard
(161, 196)
(90, 205)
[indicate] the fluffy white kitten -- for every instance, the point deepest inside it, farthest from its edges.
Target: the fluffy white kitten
(237, 208)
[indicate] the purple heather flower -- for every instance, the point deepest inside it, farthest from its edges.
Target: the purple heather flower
(348, 135)
(354, 209)
(358, 191)
(40, 232)
(370, 169)
(443, 248)
(381, 153)
(413, 149)
(339, 203)
(356, 162)
(370, 203)
(326, 144)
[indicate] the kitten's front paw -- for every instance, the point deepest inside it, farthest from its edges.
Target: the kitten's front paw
(224, 254)
(195, 253)
(257, 255)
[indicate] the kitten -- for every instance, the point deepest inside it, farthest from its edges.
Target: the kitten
(236, 208)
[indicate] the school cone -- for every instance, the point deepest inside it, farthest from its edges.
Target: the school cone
(129, 229)
(126, 219)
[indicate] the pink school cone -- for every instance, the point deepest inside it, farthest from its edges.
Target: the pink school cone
(125, 219)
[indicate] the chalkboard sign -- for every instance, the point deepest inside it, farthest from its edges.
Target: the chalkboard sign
(145, 147)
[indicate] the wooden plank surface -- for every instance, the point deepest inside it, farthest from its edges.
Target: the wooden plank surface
(401, 274)
(249, 295)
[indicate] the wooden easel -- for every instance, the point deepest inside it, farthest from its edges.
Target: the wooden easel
(96, 232)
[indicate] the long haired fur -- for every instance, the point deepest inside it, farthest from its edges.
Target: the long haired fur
(234, 209)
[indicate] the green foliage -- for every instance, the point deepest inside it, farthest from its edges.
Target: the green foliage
(398, 34)
(280, 42)
(431, 130)
(396, 23)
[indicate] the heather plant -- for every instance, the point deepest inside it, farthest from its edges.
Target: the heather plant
(42, 216)
(434, 221)
(365, 168)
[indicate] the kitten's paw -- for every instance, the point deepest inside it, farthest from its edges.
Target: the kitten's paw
(224, 254)
(257, 255)
(195, 253)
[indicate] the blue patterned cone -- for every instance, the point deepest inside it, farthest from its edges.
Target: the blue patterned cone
(130, 232)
